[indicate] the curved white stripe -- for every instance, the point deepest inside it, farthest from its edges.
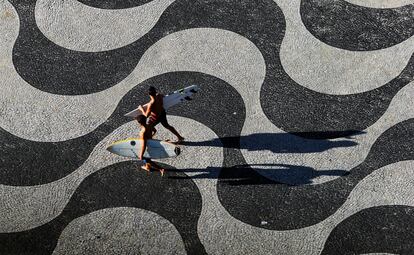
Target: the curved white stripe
(27, 207)
(379, 254)
(80, 27)
(381, 3)
(326, 69)
(35, 115)
(215, 52)
(121, 230)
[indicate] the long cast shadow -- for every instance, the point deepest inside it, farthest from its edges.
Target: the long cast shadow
(278, 142)
(283, 174)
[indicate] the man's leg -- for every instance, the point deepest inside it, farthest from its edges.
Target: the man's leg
(147, 164)
(164, 122)
(172, 129)
(151, 164)
(157, 167)
(153, 132)
(151, 125)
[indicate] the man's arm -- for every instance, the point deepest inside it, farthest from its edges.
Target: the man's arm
(141, 109)
(148, 111)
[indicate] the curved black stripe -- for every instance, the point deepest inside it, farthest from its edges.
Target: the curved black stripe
(58, 70)
(251, 198)
(352, 27)
(262, 23)
(114, 4)
(310, 114)
(119, 185)
(382, 229)
(25, 162)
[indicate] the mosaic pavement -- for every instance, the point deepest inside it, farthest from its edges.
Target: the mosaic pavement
(300, 141)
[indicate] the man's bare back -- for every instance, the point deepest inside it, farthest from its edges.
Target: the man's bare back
(157, 106)
(156, 114)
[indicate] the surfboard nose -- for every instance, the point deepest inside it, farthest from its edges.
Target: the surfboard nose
(177, 151)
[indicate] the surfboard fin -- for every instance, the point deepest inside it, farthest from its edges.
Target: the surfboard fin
(177, 150)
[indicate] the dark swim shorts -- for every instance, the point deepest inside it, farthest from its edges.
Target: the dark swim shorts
(162, 118)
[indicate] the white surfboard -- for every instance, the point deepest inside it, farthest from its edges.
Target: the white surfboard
(169, 100)
(156, 149)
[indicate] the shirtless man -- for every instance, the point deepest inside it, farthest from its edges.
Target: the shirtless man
(145, 134)
(156, 114)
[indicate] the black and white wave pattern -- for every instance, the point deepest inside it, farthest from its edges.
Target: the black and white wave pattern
(300, 141)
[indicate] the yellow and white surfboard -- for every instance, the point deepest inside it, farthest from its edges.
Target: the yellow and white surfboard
(156, 149)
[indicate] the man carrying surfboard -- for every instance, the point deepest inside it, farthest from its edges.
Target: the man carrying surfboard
(155, 113)
(145, 134)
